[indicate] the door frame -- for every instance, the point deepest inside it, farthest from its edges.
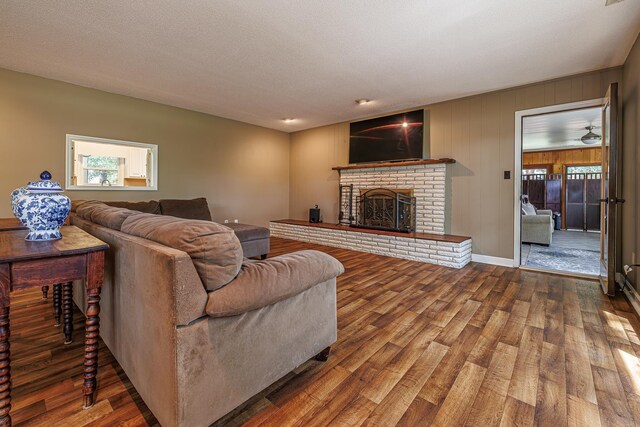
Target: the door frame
(517, 185)
(612, 190)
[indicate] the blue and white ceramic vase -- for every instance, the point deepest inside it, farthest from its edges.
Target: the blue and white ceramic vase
(41, 207)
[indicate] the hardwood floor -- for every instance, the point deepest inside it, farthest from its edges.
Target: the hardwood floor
(417, 345)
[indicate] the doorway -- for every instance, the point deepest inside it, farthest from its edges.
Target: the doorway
(560, 177)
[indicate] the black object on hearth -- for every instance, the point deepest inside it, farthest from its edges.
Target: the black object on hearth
(314, 214)
(345, 200)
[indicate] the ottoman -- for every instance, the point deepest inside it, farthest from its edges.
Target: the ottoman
(254, 239)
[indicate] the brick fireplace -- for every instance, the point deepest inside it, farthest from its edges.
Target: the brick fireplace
(422, 182)
(426, 181)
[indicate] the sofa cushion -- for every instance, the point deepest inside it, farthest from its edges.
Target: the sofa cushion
(112, 217)
(528, 209)
(85, 209)
(189, 209)
(214, 249)
(101, 214)
(76, 203)
(152, 206)
(262, 283)
(247, 232)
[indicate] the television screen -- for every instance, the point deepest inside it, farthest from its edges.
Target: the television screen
(390, 138)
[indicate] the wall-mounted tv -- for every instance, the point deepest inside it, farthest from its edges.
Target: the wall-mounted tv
(391, 138)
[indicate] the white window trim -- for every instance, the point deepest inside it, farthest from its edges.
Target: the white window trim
(69, 164)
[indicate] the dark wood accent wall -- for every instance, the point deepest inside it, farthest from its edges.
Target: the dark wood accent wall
(544, 190)
(582, 209)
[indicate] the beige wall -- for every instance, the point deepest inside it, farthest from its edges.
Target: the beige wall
(478, 132)
(243, 170)
(631, 159)
(254, 174)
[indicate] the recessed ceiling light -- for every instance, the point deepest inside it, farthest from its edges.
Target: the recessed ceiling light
(362, 101)
(288, 119)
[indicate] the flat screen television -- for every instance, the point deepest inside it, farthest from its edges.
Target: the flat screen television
(391, 138)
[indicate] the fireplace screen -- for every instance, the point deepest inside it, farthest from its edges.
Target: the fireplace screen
(386, 209)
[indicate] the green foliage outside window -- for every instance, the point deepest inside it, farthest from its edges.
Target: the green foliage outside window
(101, 162)
(584, 169)
(101, 170)
(534, 171)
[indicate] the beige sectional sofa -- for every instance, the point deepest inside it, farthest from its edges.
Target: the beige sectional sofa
(254, 239)
(198, 329)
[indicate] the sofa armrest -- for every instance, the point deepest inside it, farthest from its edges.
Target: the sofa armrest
(536, 219)
(548, 212)
(262, 283)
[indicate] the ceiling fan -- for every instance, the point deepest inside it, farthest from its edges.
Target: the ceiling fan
(590, 138)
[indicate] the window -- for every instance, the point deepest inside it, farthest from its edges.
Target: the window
(102, 170)
(584, 169)
(534, 171)
(109, 164)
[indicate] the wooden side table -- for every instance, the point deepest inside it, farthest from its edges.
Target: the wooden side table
(11, 224)
(77, 256)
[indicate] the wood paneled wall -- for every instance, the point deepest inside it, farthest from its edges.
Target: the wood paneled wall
(555, 160)
(477, 131)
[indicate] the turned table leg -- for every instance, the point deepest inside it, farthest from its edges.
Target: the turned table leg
(57, 303)
(67, 310)
(92, 332)
(5, 354)
(5, 368)
(45, 291)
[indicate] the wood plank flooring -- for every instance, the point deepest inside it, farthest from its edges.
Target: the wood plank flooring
(417, 345)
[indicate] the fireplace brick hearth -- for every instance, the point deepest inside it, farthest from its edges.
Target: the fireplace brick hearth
(448, 251)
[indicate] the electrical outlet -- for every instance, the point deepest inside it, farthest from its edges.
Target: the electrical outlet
(235, 220)
(226, 221)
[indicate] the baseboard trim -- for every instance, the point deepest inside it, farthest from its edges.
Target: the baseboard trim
(633, 297)
(486, 259)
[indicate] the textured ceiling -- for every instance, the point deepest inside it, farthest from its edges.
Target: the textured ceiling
(560, 130)
(260, 61)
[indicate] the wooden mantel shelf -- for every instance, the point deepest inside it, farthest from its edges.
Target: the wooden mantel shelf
(395, 164)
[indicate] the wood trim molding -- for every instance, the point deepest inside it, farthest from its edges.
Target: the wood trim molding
(494, 260)
(632, 296)
(395, 164)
